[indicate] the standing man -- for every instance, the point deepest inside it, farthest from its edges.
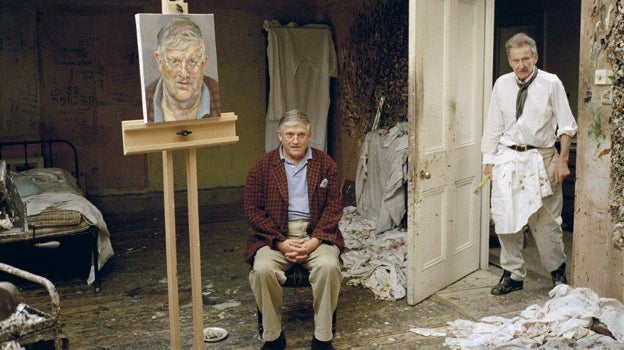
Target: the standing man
(293, 202)
(528, 111)
(182, 92)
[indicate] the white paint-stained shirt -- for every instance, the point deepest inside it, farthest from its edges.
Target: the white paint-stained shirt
(545, 117)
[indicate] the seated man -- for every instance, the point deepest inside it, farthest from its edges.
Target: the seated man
(293, 202)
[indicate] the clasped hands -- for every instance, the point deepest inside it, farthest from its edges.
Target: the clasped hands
(298, 250)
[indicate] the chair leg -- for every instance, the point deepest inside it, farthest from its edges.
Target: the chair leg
(260, 326)
(334, 322)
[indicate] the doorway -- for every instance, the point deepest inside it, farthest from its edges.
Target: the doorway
(441, 244)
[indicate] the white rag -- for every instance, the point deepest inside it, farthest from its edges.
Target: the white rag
(519, 182)
(375, 261)
(563, 322)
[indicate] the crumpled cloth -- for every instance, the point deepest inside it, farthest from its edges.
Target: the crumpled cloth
(375, 261)
(381, 175)
(519, 182)
(561, 323)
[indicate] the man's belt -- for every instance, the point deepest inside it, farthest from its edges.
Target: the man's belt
(522, 148)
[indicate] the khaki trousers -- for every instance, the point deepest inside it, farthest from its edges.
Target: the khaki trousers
(268, 274)
(545, 225)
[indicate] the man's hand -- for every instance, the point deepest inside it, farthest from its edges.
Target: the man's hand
(488, 170)
(561, 168)
(561, 171)
(298, 250)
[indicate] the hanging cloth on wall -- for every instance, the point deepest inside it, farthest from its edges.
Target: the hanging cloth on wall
(301, 62)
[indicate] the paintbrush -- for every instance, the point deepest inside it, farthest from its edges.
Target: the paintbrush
(483, 182)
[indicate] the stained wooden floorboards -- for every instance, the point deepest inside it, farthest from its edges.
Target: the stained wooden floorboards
(130, 311)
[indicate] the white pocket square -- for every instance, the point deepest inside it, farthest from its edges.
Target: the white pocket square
(324, 183)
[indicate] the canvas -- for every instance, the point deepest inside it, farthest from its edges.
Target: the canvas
(179, 79)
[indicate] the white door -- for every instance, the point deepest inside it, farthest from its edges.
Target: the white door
(450, 49)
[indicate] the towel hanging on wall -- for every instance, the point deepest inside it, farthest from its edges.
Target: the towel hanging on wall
(302, 59)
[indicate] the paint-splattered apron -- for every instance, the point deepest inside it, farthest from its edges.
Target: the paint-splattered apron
(519, 182)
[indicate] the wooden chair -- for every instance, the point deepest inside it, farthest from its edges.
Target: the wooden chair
(296, 277)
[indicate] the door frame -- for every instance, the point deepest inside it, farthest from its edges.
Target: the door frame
(488, 57)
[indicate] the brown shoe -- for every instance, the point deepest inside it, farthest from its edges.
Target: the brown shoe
(559, 276)
(506, 285)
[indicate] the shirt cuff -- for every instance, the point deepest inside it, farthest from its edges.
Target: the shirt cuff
(488, 158)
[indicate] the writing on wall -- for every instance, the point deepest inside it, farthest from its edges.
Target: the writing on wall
(90, 82)
(19, 98)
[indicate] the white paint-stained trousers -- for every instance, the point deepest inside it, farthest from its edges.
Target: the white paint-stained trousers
(545, 225)
(268, 275)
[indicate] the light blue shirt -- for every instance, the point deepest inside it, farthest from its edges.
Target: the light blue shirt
(296, 174)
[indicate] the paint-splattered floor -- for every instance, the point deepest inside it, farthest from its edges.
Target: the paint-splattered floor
(130, 311)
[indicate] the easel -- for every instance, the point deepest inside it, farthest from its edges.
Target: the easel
(141, 138)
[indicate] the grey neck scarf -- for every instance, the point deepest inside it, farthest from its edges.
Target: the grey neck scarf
(522, 93)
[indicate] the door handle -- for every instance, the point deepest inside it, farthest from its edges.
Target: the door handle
(425, 175)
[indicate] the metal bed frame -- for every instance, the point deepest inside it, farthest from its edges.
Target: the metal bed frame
(28, 233)
(47, 326)
(46, 148)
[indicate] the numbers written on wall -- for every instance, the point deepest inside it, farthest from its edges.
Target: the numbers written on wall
(72, 96)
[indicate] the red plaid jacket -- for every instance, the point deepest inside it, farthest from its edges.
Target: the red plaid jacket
(266, 201)
(215, 98)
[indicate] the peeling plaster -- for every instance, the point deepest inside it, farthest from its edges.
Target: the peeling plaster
(615, 51)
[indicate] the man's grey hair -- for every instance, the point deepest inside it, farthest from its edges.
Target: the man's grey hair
(520, 40)
(292, 117)
(179, 33)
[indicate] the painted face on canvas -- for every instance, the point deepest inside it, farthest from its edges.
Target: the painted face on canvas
(522, 60)
(183, 71)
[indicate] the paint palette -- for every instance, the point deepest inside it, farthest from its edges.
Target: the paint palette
(214, 334)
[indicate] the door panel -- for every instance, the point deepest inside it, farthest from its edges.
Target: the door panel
(446, 108)
(436, 250)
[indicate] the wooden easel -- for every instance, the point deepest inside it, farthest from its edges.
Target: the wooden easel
(141, 138)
